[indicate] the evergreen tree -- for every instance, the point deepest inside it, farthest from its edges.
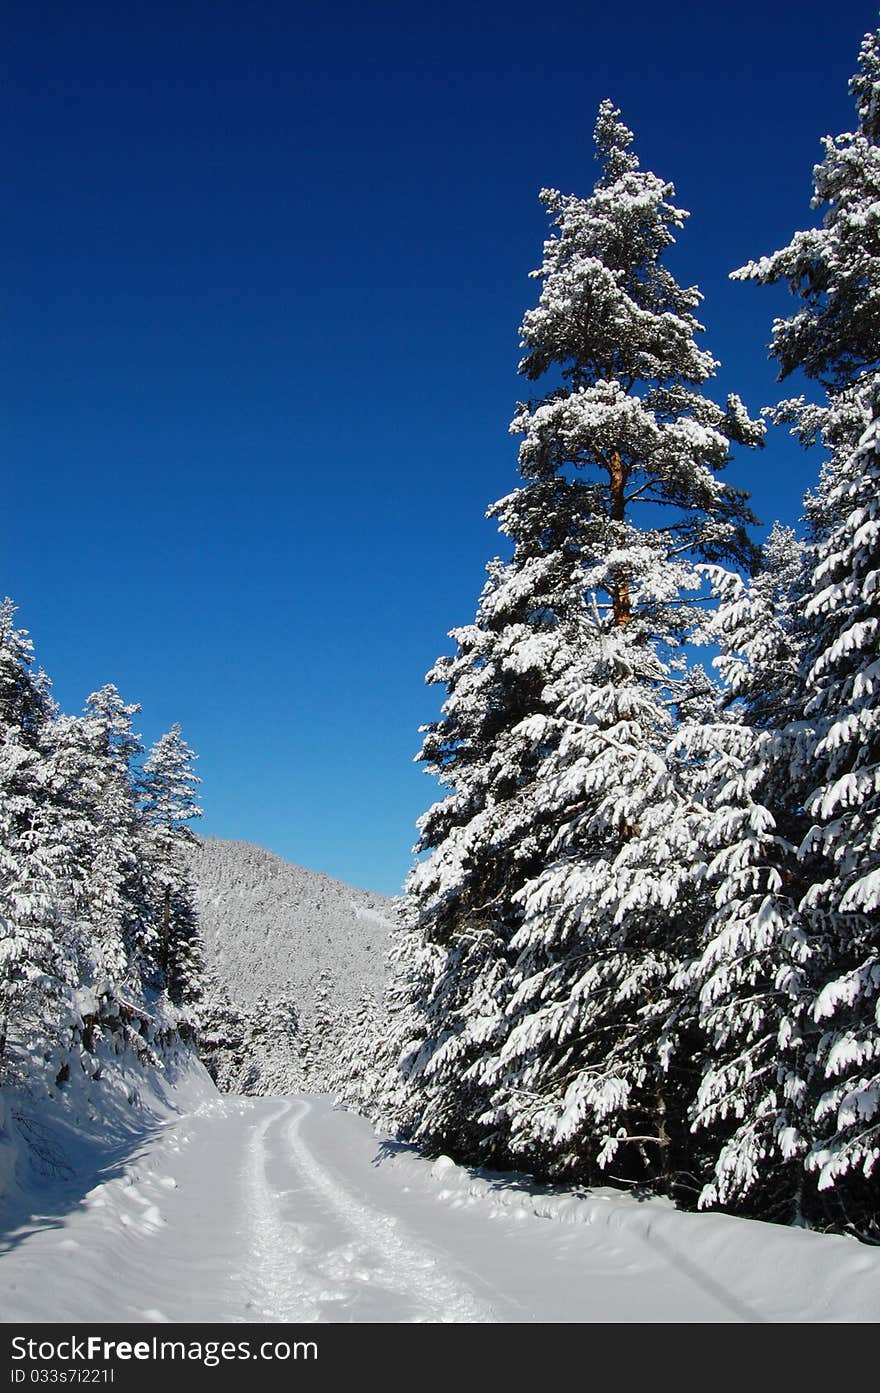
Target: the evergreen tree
(833, 338)
(749, 979)
(835, 270)
(584, 1076)
(535, 1012)
(102, 747)
(843, 758)
(317, 1044)
(222, 1034)
(357, 1073)
(168, 801)
(39, 943)
(483, 838)
(253, 1049)
(25, 700)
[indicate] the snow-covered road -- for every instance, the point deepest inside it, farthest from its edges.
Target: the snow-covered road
(321, 1250)
(289, 1210)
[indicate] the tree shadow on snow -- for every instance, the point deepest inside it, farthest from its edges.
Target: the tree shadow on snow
(562, 1202)
(58, 1165)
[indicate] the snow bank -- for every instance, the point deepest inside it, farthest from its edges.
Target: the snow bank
(771, 1273)
(49, 1131)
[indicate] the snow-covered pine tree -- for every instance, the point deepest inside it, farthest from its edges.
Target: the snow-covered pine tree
(101, 749)
(273, 1046)
(583, 1070)
(317, 1043)
(78, 864)
(25, 699)
(749, 980)
(843, 843)
(451, 958)
(168, 802)
(545, 1033)
(40, 947)
(585, 1075)
(222, 1034)
(357, 1073)
(835, 339)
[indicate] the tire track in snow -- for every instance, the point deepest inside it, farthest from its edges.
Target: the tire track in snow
(407, 1267)
(278, 1286)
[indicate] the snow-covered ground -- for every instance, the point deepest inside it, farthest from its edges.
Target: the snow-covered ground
(270, 1209)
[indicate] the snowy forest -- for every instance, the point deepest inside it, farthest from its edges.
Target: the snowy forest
(640, 945)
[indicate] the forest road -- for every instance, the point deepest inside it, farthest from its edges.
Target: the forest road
(290, 1210)
(323, 1252)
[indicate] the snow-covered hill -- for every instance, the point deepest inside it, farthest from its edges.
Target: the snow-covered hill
(269, 925)
(275, 931)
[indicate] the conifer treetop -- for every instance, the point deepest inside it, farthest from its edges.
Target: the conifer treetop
(835, 269)
(613, 140)
(623, 406)
(865, 86)
(609, 309)
(170, 782)
(114, 719)
(24, 694)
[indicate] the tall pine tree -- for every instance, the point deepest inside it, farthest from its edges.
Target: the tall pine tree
(748, 982)
(169, 805)
(516, 1015)
(40, 942)
(834, 338)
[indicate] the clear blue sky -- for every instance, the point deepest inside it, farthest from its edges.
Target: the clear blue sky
(264, 269)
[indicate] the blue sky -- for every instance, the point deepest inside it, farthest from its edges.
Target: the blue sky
(264, 270)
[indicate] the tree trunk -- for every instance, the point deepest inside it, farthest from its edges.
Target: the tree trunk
(4, 1019)
(620, 599)
(166, 934)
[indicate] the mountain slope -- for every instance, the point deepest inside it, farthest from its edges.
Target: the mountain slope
(275, 931)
